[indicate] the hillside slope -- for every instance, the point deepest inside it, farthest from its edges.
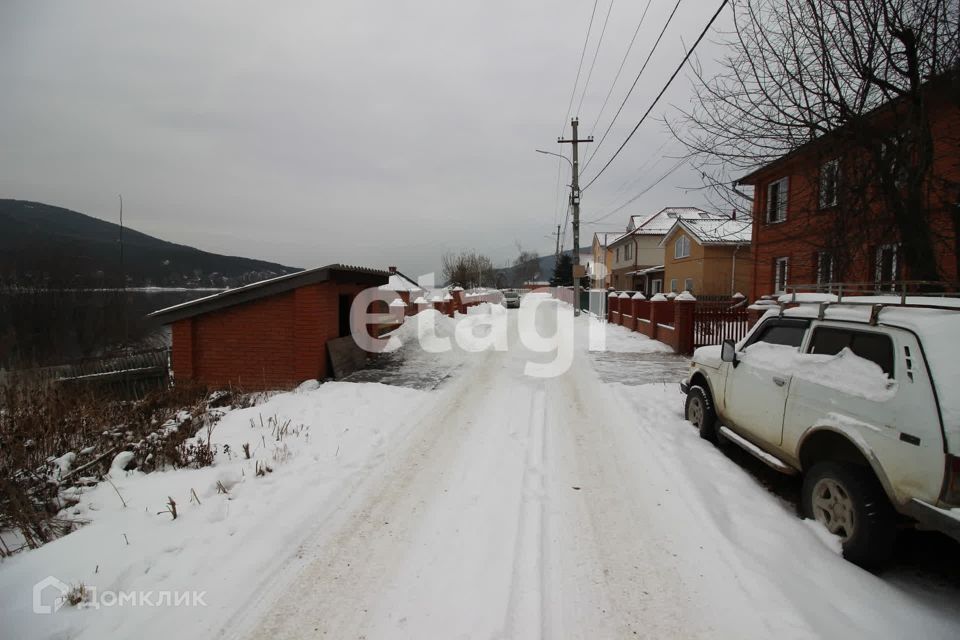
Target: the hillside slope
(44, 245)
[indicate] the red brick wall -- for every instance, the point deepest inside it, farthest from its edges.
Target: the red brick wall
(801, 236)
(275, 342)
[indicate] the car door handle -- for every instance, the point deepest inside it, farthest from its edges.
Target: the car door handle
(777, 380)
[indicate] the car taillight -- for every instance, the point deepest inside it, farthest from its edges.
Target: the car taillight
(951, 483)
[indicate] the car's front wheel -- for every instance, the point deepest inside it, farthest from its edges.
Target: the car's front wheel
(848, 500)
(699, 410)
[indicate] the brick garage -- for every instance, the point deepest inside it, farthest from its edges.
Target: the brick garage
(266, 335)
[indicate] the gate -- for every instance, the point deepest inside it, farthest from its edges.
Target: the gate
(714, 322)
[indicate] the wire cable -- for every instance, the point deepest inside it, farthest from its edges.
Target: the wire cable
(620, 70)
(583, 54)
(659, 95)
(596, 52)
(633, 86)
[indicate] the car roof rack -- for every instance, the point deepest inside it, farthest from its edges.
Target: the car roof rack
(898, 288)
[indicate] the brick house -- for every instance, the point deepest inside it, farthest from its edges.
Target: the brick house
(637, 252)
(269, 334)
(708, 258)
(814, 225)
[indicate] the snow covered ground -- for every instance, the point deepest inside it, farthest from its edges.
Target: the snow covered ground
(486, 504)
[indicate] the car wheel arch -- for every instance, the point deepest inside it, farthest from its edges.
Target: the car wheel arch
(833, 443)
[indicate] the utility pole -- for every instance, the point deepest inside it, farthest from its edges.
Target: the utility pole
(558, 243)
(575, 202)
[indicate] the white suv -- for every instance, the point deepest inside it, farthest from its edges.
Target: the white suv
(860, 397)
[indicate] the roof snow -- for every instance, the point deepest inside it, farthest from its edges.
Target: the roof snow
(714, 231)
(399, 282)
(661, 222)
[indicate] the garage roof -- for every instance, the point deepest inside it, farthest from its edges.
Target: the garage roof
(270, 287)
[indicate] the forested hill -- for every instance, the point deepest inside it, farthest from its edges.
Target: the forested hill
(43, 245)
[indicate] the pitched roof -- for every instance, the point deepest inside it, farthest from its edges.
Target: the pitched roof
(270, 287)
(714, 231)
(661, 222)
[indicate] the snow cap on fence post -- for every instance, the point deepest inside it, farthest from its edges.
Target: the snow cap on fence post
(658, 298)
(685, 296)
(639, 296)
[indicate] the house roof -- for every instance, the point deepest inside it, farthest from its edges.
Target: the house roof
(934, 84)
(270, 287)
(660, 222)
(714, 231)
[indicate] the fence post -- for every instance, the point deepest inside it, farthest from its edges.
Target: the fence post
(635, 304)
(612, 302)
(623, 305)
(683, 322)
(657, 306)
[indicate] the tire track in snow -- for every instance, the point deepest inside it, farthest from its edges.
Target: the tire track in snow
(526, 602)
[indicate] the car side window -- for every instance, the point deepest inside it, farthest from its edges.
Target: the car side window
(876, 347)
(785, 332)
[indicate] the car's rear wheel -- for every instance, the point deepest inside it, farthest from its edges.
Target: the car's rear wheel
(699, 410)
(848, 500)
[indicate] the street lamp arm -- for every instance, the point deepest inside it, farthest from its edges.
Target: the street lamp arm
(551, 153)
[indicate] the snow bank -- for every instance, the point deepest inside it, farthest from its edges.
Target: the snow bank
(233, 527)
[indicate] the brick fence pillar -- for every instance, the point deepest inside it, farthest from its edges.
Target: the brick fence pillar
(612, 301)
(683, 323)
(658, 305)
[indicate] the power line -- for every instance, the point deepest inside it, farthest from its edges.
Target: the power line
(637, 196)
(634, 85)
(620, 70)
(595, 54)
(659, 95)
(573, 94)
(576, 80)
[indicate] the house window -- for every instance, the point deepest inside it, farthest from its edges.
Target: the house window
(887, 268)
(688, 285)
(780, 273)
(673, 285)
(824, 269)
(618, 254)
(656, 287)
(627, 252)
(777, 200)
(681, 248)
(829, 183)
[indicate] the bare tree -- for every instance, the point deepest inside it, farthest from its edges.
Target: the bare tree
(467, 269)
(853, 81)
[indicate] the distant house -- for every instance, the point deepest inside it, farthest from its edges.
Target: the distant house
(269, 334)
(637, 251)
(602, 259)
(820, 215)
(708, 257)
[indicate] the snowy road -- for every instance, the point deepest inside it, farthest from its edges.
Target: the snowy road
(521, 507)
(468, 499)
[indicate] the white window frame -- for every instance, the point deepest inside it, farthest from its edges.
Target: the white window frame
(777, 209)
(688, 285)
(829, 170)
(681, 248)
(656, 286)
(825, 259)
(673, 285)
(894, 263)
(780, 286)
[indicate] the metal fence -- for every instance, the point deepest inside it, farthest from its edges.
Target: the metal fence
(714, 322)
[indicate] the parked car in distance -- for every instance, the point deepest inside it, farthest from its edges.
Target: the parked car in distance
(511, 298)
(858, 396)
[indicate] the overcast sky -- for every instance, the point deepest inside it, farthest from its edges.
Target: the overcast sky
(366, 132)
